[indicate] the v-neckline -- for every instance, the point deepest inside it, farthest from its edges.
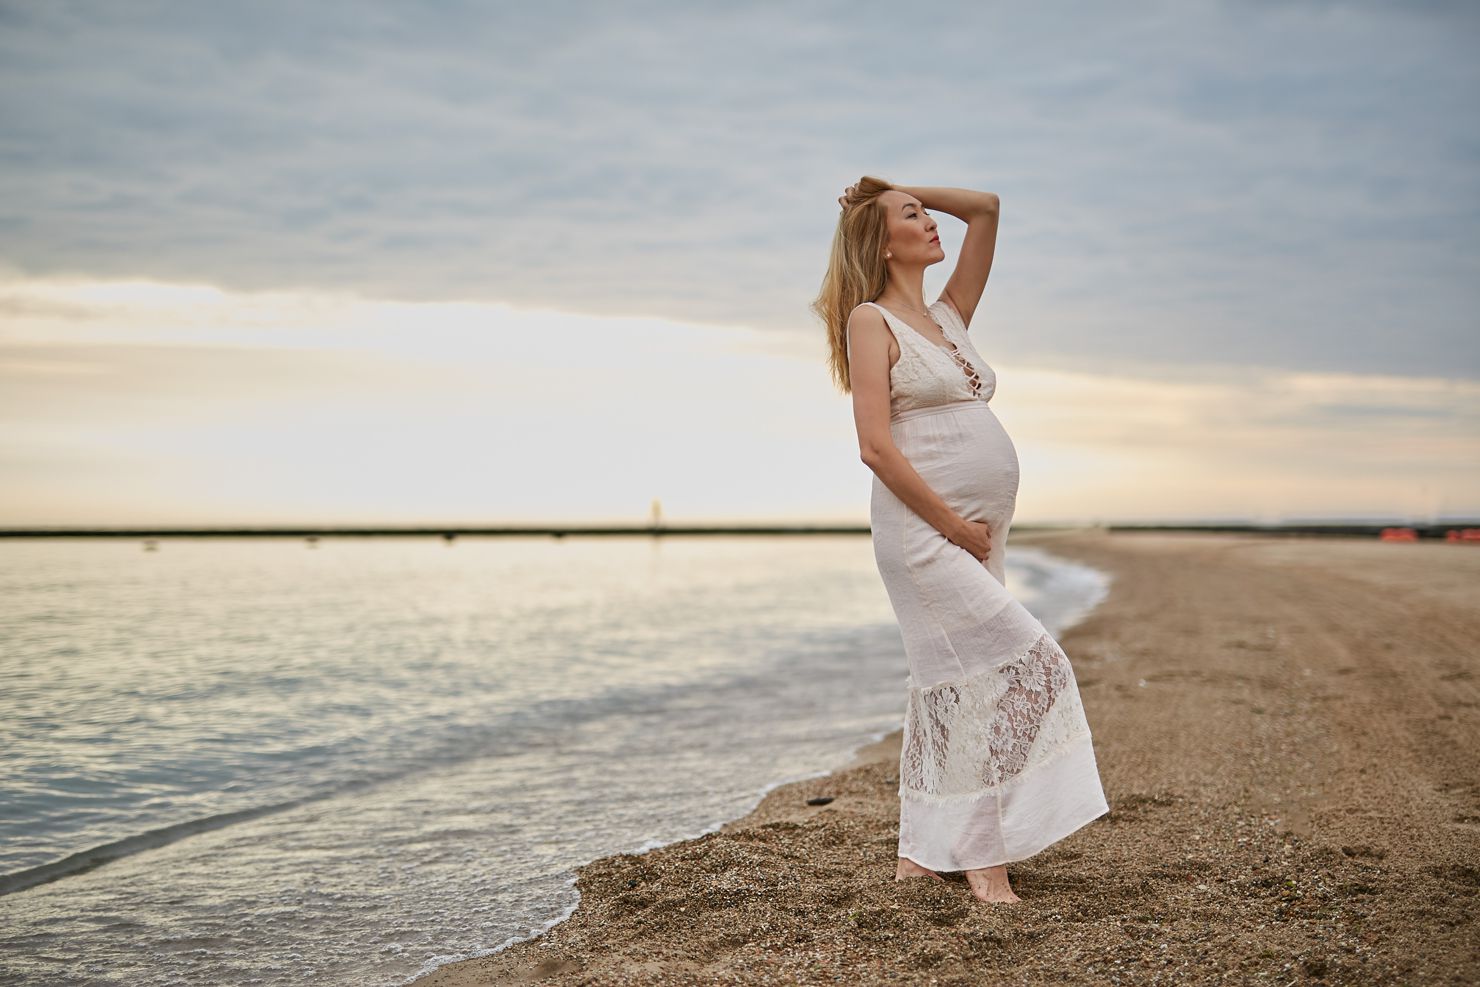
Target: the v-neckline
(947, 349)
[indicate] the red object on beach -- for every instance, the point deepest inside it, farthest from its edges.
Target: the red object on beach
(1462, 534)
(1398, 534)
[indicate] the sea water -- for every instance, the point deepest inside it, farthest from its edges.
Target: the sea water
(269, 761)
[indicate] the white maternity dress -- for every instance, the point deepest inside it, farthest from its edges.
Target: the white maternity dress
(997, 761)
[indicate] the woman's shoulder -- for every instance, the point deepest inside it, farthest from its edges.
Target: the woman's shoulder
(867, 320)
(866, 314)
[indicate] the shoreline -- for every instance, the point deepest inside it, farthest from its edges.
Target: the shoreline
(1284, 728)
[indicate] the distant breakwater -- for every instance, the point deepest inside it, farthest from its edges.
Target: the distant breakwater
(1349, 529)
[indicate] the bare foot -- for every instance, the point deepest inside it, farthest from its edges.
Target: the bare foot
(908, 868)
(990, 884)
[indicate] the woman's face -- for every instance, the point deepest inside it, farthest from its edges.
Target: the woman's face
(913, 239)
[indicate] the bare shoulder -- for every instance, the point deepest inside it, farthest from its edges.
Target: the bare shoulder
(868, 321)
(867, 328)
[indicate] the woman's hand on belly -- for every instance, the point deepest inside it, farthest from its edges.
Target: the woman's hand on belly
(975, 537)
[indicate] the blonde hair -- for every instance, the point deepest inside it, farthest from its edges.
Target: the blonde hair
(855, 270)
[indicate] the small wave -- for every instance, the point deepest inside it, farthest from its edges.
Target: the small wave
(86, 860)
(646, 846)
(440, 961)
(104, 853)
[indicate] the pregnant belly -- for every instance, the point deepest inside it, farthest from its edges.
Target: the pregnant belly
(966, 456)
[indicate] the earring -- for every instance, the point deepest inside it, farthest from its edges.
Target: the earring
(887, 255)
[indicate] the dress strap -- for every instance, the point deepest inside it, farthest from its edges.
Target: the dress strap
(890, 319)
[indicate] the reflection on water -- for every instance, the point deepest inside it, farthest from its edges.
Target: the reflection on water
(362, 760)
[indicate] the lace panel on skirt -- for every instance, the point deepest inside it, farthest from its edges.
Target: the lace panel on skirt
(965, 738)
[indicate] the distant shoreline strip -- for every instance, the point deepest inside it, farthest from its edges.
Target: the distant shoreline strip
(1433, 530)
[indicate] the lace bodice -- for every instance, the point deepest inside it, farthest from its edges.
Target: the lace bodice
(926, 373)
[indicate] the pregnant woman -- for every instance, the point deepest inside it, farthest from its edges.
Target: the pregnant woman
(997, 761)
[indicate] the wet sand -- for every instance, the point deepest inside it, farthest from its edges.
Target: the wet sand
(1288, 732)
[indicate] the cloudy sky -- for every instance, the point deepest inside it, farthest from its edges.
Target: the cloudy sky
(470, 263)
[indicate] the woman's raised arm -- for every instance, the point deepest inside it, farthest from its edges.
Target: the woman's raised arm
(980, 211)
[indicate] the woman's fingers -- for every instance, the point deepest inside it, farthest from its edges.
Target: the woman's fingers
(976, 543)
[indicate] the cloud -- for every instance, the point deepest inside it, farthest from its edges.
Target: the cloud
(184, 403)
(1289, 187)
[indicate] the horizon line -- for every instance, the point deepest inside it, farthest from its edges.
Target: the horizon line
(1287, 526)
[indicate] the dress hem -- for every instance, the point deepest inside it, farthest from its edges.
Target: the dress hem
(1039, 815)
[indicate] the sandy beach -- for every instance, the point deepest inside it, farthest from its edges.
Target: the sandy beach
(1287, 729)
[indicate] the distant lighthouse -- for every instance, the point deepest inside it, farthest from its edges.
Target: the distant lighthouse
(657, 513)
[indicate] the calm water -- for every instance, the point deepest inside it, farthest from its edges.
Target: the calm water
(251, 761)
